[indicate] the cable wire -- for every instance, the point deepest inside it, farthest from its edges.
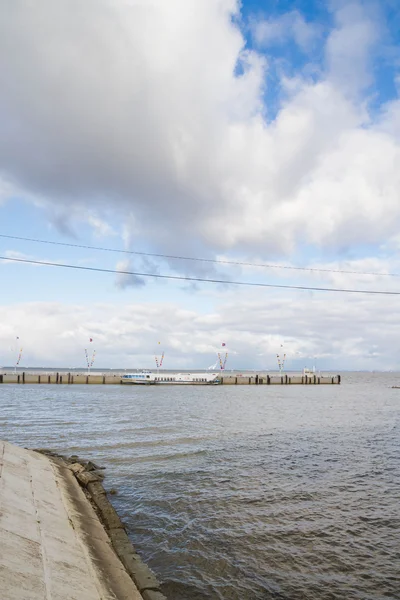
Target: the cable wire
(197, 259)
(202, 280)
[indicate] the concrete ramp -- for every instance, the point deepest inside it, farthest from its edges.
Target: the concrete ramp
(52, 544)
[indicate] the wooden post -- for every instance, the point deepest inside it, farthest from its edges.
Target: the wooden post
(257, 379)
(268, 380)
(104, 379)
(286, 379)
(339, 379)
(23, 376)
(87, 378)
(57, 377)
(49, 379)
(315, 379)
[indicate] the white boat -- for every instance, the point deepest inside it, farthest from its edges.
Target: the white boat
(143, 378)
(150, 378)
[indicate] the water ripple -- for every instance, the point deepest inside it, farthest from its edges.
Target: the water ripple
(238, 493)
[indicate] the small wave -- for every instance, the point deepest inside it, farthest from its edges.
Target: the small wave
(294, 498)
(166, 457)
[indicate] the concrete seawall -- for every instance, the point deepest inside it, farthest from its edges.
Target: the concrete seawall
(65, 378)
(60, 536)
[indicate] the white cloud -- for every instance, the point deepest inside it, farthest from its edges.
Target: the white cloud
(124, 279)
(350, 45)
(7, 189)
(18, 259)
(101, 227)
(14, 257)
(361, 334)
(284, 28)
(10, 254)
(136, 105)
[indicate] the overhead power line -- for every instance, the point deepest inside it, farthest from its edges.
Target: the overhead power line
(201, 279)
(196, 259)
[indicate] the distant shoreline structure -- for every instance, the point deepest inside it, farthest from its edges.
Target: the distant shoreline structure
(68, 377)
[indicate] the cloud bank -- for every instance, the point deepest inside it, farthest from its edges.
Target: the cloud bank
(160, 110)
(313, 329)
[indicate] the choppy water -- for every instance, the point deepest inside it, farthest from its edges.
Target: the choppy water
(240, 493)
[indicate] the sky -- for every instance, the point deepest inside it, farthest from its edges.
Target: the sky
(265, 133)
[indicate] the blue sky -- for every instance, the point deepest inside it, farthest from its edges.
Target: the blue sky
(287, 54)
(266, 132)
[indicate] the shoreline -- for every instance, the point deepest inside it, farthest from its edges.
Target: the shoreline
(60, 533)
(89, 476)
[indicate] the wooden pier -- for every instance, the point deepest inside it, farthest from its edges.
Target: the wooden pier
(65, 378)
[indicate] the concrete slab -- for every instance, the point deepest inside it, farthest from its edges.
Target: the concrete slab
(52, 543)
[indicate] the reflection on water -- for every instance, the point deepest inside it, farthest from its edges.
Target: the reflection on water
(240, 492)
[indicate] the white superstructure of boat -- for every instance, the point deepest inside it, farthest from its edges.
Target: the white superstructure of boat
(151, 378)
(143, 378)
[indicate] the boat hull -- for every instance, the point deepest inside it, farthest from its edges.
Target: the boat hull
(125, 382)
(187, 382)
